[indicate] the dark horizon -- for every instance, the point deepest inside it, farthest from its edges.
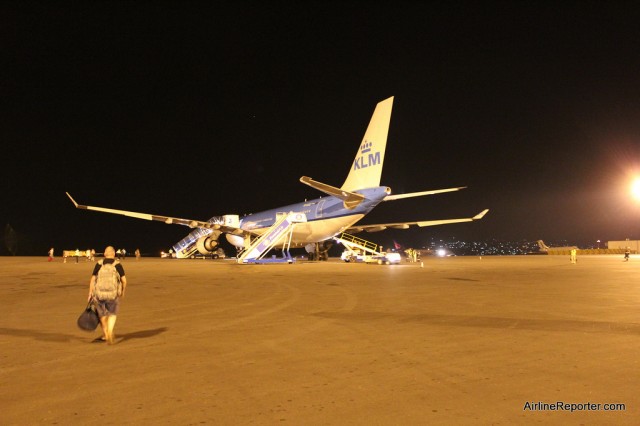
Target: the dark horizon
(197, 110)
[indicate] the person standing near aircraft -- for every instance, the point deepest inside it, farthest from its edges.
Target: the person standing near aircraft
(574, 257)
(50, 254)
(627, 252)
(107, 286)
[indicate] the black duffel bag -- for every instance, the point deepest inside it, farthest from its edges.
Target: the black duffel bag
(88, 319)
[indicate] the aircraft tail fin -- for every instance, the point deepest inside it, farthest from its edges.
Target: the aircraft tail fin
(367, 166)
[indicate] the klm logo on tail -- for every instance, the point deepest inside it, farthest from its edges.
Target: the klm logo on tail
(366, 158)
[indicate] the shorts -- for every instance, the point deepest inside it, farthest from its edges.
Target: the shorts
(105, 308)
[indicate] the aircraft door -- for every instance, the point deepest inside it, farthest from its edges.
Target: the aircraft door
(319, 209)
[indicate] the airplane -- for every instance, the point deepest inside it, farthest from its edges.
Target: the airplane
(324, 217)
(545, 248)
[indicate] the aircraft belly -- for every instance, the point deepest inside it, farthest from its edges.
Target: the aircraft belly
(319, 230)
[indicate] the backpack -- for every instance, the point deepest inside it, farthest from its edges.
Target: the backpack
(108, 285)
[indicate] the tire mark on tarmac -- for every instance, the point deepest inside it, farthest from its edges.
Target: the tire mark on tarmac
(207, 310)
(350, 302)
(291, 297)
(292, 330)
(560, 325)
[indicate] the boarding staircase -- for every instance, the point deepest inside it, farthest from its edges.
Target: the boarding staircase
(187, 252)
(282, 229)
(358, 245)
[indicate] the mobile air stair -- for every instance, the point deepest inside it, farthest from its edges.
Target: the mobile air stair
(279, 233)
(359, 250)
(187, 252)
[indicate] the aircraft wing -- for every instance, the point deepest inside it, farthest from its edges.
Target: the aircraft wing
(421, 193)
(191, 223)
(406, 225)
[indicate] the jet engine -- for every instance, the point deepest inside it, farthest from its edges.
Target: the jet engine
(235, 240)
(208, 243)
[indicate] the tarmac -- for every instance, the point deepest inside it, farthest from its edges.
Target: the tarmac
(459, 340)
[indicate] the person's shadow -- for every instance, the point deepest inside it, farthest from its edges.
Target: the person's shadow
(143, 334)
(62, 337)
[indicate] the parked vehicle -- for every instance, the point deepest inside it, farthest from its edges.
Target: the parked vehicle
(380, 259)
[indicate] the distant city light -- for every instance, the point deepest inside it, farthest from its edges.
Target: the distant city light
(456, 247)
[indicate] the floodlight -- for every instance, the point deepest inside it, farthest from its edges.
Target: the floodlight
(635, 188)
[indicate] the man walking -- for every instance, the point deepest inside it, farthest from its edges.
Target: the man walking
(106, 287)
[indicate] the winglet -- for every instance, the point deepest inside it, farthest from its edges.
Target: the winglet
(72, 200)
(480, 215)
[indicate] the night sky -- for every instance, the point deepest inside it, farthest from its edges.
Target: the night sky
(193, 110)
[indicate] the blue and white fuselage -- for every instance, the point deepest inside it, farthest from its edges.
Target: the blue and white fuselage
(326, 216)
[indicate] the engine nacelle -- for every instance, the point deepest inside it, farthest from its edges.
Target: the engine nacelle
(235, 240)
(208, 244)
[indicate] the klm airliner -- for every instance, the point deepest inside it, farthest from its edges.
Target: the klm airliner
(325, 217)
